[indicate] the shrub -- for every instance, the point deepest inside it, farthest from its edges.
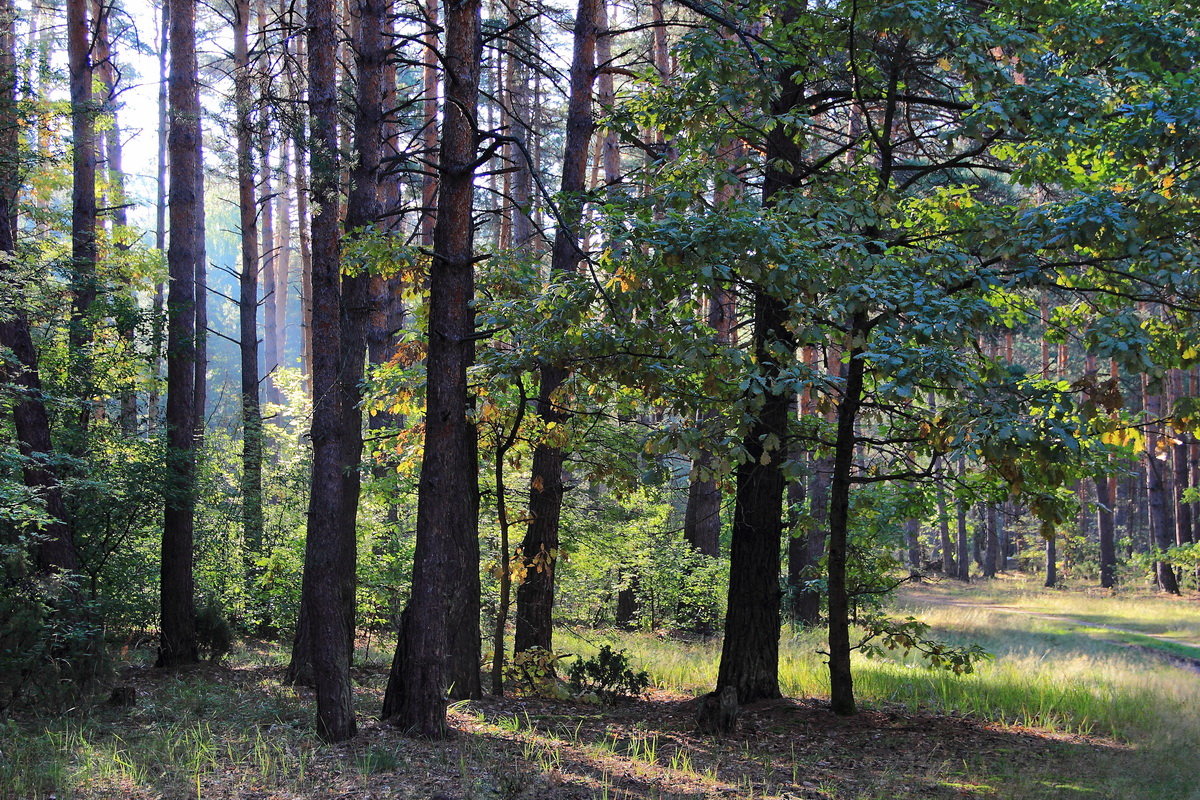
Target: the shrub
(608, 675)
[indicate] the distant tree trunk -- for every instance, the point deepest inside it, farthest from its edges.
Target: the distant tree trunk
(912, 540)
(1105, 486)
(539, 550)
(441, 622)
(949, 563)
(283, 254)
(83, 215)
(106, 77)
(964, 547)
(251, 486)
(991, 555)
(160, 214)
(1179, 461)
(185, 258)
(1051, 558)
(1161, 527)
(270, 282)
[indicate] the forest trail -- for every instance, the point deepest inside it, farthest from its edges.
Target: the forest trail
(918, 597)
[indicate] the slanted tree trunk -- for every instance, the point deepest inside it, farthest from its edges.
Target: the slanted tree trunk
(185, 257)
(441, 621)
(539, 550)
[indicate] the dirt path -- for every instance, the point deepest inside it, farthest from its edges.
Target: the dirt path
(1183, 662)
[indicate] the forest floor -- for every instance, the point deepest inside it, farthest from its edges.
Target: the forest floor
(232, 731)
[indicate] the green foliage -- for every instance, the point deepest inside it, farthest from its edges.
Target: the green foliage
(884, 635)
(533, 672)
(214, 634)
(608, 675)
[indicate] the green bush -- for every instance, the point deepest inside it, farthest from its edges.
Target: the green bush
(608, 675)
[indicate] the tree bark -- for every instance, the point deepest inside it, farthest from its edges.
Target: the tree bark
(1162, 530)
(841, 680)
(83, 217)
(325, 631)
(251, 484)
(185, 255)
(439, 629)
(539, 550)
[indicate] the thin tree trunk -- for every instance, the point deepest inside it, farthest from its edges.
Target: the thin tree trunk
(160, 215)
(964, 546)
(535, 594)
(83, 216)
(251, 485)
(441, 621)
(184, 259)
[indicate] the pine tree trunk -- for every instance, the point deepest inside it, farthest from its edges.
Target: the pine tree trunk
(83, 217)
(1105, 486)
(251, 484)
(325, 631)
(439, 629)
(185, 257)
(539, 550)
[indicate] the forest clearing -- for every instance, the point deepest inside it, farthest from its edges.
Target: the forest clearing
(1058, 713)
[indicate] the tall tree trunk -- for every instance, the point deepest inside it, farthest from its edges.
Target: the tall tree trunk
(160, 214)
(185, 258)
(539, 550)
(949, 563)
(325, 630)
(83, 215)
(105, 73)
(251, 485)
(841, 680)
(750, 651)
(283, 254)
(56, 552)
(429, 91)
(441, 621)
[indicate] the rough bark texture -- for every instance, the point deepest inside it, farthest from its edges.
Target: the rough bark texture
(535, 595)
(185, 255)
(750, 651)
(329, 552)
(841, 680)
(439, 629)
